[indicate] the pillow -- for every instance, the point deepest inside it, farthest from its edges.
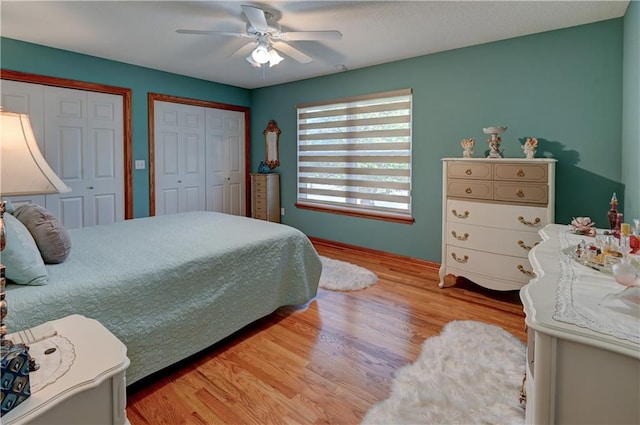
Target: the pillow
(50, 236)
(21, 257)
(9, 206)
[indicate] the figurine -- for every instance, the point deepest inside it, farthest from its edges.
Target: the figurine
(467, 146)
(495, 141)
(530, 147)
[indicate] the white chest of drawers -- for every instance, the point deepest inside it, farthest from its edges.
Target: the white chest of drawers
(492, 210)
(265, 196)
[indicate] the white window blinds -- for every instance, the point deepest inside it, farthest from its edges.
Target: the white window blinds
(354, 155)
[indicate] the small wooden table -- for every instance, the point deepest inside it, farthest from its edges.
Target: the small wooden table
(84, 384)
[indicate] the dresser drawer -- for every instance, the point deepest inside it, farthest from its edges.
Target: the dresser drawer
(501, 267)
(521, 172)
(473, 189)
(520, 192)
(500, 216)
(469, 170)
(508, 242)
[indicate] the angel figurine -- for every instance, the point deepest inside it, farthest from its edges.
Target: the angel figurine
(530, 147)
(467, 146)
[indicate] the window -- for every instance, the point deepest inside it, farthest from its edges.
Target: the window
(354, 156)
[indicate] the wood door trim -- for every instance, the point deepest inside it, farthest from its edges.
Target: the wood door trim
(152, 97)
(45, 80)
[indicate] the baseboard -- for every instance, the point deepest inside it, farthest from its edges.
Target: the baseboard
(432, 266)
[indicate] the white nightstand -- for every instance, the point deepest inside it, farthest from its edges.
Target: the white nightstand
(93, 388)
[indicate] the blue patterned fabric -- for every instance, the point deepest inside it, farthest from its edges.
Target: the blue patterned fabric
(170, 286)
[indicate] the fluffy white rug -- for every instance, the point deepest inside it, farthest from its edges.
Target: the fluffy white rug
(342, 276)
(469, 374)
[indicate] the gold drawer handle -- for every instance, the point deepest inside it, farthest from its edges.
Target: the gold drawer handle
(520, 172)
(520, 193)
(536, 222)
(527, 272)
(460, 238)
(525, 246)
(469, 190)
(465, 215)
(469, 172)
(458, 259)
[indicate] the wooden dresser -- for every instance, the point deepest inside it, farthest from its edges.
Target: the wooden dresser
(265, 196)
(492, 210)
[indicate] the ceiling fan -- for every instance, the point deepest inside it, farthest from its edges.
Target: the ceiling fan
(265, 32)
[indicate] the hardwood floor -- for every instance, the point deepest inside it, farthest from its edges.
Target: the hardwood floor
(326, 362)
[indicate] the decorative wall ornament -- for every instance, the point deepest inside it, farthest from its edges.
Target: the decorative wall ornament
(272, 136)
(467, 147)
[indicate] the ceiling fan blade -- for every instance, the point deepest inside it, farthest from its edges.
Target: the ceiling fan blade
(310, 35)
(292, 52)
(226, 34)
(243, 50)
(256, 18)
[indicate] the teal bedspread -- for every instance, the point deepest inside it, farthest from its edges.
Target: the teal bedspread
(170, 286)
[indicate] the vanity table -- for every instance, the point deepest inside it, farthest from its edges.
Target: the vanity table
(583, 352)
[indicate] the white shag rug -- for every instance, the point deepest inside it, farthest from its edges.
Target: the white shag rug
(342, 276)
(469, 374)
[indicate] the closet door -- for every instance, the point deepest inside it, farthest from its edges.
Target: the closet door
(179, 158)
(26, 98)
(81, 135)
(225, 161)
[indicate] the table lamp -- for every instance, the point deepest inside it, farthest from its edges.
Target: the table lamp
(23, 171)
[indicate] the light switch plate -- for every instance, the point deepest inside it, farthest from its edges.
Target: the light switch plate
(140, 164)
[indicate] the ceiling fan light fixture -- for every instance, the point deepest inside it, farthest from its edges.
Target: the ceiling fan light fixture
(253, 63)
(274, 58)
(261, 53)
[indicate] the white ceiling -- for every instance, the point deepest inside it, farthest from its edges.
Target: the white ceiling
(374, 32)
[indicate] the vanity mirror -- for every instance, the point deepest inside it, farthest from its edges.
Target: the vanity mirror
(272, 136)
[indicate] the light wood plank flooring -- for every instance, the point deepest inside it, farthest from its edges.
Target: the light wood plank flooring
(326, 362)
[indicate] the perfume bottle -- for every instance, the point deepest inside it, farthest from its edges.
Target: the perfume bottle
(612, 215)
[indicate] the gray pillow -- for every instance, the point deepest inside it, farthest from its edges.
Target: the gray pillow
(50, 236)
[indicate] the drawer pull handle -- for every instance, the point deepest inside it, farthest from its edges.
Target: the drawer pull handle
(465, 215)
(520, 172)
(525, 246)
(469, 172)
(535, 222)
(527, 272)
(469, 190)
(458, 259)
(520, 193)
(460, 238)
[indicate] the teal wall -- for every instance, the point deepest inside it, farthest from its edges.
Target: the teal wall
(563, 87)
(631, 111)
(35, 59)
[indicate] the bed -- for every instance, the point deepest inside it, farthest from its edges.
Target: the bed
(170, 286)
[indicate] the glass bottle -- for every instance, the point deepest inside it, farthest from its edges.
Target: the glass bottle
(612, 215)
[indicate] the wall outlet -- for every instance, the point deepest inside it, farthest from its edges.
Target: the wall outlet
(140, 164)
(281, 211)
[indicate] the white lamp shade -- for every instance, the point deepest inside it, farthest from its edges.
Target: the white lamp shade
(24, 171)
(261, 53)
